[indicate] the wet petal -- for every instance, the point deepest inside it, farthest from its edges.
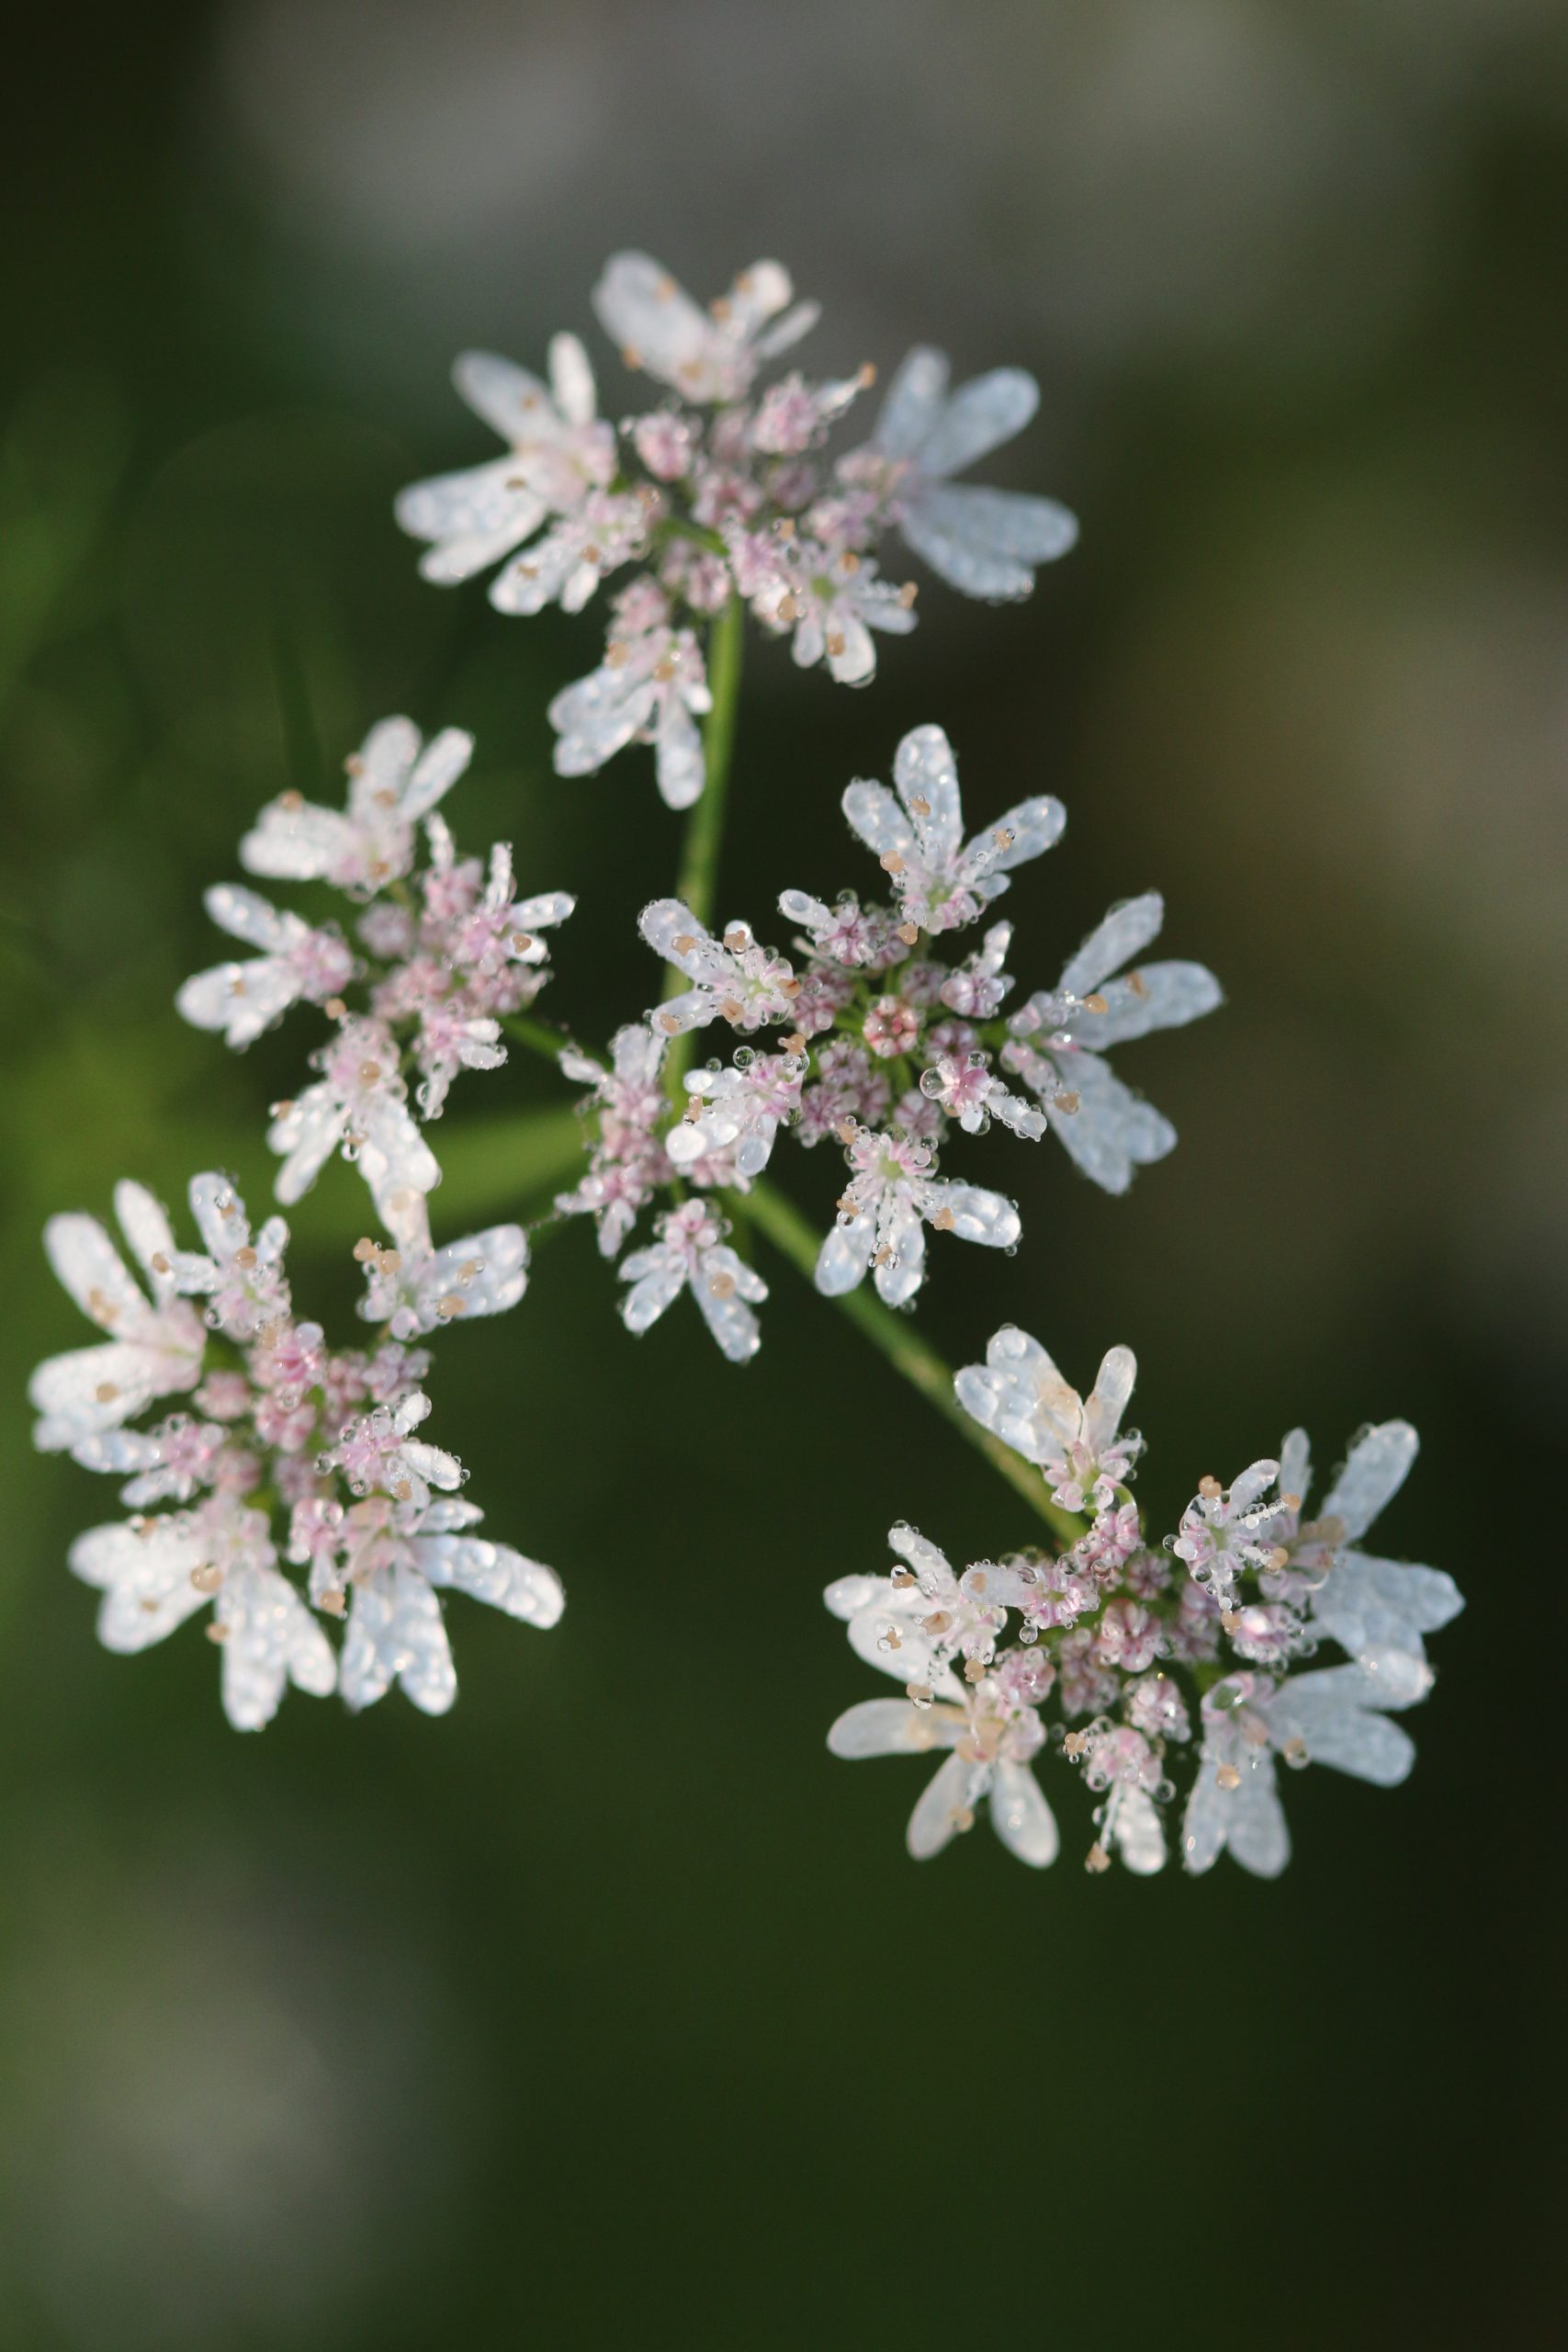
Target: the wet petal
(1022, 1817)
(913, 403)
(1378, 1466)
(980, 417)
(940, 1813)
(890, 1727)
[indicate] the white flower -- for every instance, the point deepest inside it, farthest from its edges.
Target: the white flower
(830, 600)
(503, 929)
(1019, 1395)
(155, 1574)
(567, 565)
(449, 1041)
(706, 354)
(1374, 1608)
(846, 933)
(884, 1208)
(984, 542)
(991, 1752)
(414, 1287)
(242, 1276)
(738, 1110)
(380, 1454)
(171, 1462)
(395, 1564)
(629, 1160)
(241, 999)
(1119, 1757)
(1059, 1036)
(941, 880)
(650, 688)
(558, 453)
(744, 984)
(1227, 1530)
(970, 1092)
(914, 1623)
(154, 1347)
(838, 615)
(392, 784)
(1334, 1717)
(793, 414)
(359, 1107)
(689, 1249)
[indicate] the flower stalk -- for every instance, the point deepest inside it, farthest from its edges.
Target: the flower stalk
(912, 1356)
(698, 879)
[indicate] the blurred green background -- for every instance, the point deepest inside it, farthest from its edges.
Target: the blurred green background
(609, 2010)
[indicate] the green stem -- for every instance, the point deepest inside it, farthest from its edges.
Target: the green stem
(704, 827)
(791, 1233)
(698, 879)
(771, 1213)
(538, 1038)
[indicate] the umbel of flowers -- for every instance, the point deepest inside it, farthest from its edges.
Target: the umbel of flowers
(283, 1453)
(284, 1486)
(1147, 1667)
(722, 488)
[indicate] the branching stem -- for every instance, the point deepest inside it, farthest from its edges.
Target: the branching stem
(771, 1213)
(779, 1220)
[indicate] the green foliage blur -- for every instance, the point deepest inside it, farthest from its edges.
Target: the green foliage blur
(609, 2010)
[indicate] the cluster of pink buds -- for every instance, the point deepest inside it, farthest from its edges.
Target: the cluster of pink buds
(284, 1455)
(724, 492)
(1144, 1664)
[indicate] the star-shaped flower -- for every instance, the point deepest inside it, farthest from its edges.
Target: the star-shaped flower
(414, 1288)
(155, 1574)
(242, 1274)
(939, 880)
(737, 1111)
(884, 1210)
(1374, 1608)
(1336, 1717)
(690, 1251)
(395, 1562)
(1058, 1040)
(558, 454)
(358, 1106)
(732, 979)
(1019, 1395)
(917, 1624)
(651, 687)
(392, 784)
(983, 542)
(706, 356)
(297, 962)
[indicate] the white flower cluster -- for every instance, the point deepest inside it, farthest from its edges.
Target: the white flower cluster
(723, 491)
(293, 1484)
(445, 951)
(284, 1454)
(884, 1048)
(298, 1456)
(1168, 1664)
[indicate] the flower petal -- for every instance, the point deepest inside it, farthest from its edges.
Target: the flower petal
(1022, 1817)
(1378, 1466)
(890, 1727)
(941, 1812)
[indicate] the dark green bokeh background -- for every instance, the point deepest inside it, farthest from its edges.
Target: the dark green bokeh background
(610, 2010)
